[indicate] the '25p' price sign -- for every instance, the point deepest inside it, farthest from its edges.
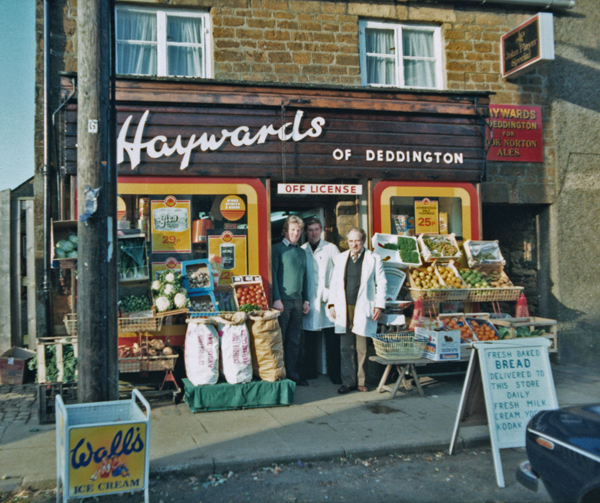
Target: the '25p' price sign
(171, 231)
(426, 217)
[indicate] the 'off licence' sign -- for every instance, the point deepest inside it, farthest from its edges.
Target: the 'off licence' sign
(322, 189)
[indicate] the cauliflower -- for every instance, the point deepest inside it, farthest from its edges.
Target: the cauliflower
(180, 301)
(163, 304)
(168, 289)
(170, 278)
(156, 285)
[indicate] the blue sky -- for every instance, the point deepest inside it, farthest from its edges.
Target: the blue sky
(17, 79)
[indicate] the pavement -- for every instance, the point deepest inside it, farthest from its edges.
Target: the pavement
(320, 425)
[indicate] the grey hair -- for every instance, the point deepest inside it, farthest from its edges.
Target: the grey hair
(363, 234)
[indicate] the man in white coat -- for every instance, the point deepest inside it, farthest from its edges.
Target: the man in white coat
(319, 267)
(356, 300)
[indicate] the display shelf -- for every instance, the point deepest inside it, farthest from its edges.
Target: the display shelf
(147, 363)
(494, 294)
(432, 295)
(140, 324)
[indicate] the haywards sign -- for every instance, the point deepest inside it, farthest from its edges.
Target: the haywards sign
(319, 144)
(517, 134)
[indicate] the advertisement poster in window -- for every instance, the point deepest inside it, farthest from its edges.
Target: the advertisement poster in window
(171, 230)
(170, 264)
(230, 245)
(426, 216)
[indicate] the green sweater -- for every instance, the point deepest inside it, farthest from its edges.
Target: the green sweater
(289, 272)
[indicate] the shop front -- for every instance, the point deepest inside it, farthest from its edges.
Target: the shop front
(212, 171)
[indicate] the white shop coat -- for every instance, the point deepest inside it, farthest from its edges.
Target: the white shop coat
(371, 294)
(319, 266)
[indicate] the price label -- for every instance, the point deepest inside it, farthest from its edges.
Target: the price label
(426, 217)
(171, 231)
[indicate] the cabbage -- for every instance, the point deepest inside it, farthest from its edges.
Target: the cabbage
(65, 245)
(59, 253)
(72, 254)
(74, 239)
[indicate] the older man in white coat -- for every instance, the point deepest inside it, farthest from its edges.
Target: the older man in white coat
(319, 266)
(356, 300)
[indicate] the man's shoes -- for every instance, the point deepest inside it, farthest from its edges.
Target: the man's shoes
(300, 382)
(336, 381)
(363, 389)
(347, 389)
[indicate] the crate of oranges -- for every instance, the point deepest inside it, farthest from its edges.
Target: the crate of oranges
(249, 291)
(457, 321)
(483, 329)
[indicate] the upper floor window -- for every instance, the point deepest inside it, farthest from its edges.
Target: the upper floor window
(162, 42)
(400, 55)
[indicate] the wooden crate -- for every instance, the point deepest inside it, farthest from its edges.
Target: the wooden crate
(532, 323)
(59, 342)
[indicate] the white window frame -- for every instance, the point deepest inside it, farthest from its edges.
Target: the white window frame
(161, 37)
(399, 57)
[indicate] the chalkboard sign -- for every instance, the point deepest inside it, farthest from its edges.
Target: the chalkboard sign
(513, 380)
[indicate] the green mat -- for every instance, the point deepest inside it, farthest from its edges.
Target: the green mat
(225, 396)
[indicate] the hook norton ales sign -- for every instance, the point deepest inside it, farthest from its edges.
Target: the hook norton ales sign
(516, 134)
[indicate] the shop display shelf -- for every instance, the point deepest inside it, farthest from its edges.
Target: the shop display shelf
(493, 294)
(147, 363)
(70, 321)
(399, 345)
(130, 324)
(532, 323)
(439, 294)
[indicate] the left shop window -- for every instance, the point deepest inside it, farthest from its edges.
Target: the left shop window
(161, 42)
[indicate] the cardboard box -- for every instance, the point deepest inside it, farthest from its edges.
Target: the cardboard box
(440, 346)
(241, 283)
(13, 366)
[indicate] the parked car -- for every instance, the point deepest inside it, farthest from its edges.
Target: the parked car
(563, 447)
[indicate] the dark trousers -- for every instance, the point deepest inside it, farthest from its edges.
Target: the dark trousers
(310, 350)
(290, 322)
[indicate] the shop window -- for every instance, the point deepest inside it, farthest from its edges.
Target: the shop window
(162, 42)
(404, 215)
(400, 55)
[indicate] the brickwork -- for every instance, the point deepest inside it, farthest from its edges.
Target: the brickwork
(317, 43)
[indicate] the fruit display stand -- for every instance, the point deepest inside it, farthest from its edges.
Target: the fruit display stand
(532, 324)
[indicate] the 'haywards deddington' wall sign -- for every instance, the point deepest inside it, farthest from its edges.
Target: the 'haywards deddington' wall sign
(529, 45)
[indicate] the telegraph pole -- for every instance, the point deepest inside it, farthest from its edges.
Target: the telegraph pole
(96, 190)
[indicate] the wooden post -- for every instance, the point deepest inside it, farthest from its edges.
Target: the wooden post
(96, 302)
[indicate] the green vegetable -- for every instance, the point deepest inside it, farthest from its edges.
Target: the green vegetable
(135, 303)
(73, 238)
(523, 332)
(504, 333)
(132, 259)
(69, 363)
(247, 308)
(59, 253)
(407, 248)
(72, 254)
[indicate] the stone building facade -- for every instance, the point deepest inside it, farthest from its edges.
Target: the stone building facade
(542, 213)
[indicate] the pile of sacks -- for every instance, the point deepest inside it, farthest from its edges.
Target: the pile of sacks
(238, 346)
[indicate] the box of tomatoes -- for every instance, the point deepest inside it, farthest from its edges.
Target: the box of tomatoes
(249, 290)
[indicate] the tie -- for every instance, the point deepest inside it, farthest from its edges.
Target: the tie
(354, 258)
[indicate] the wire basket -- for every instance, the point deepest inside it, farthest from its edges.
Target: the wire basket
(147, 363)
(152, 324)
(439, 294)
(494, 294)
(400, 345)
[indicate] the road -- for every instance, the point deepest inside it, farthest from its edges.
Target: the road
(467, 476)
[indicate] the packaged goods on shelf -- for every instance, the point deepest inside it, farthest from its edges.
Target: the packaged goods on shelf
(439, 247)
(402, 251)
(483, 253)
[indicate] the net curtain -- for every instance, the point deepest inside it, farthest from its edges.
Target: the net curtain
(137, 44)
(418, 57)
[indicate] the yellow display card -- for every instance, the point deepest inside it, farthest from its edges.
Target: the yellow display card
(426, 216)
(171, 230)
(170, 264)
(107, 459)
(231, 247)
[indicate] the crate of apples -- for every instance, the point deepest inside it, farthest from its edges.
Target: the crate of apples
(252, 294)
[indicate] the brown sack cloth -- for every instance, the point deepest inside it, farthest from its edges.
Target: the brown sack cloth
(266, 345)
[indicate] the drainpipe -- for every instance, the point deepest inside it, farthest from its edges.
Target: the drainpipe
(541, 4)
(46, 177)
